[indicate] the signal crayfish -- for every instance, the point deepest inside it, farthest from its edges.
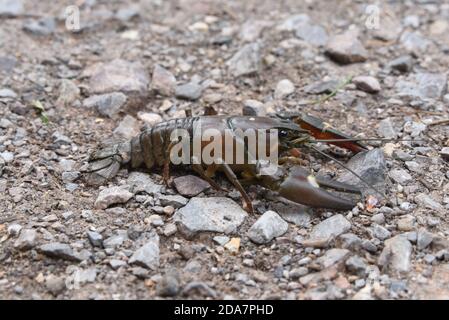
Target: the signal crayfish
(154, 147)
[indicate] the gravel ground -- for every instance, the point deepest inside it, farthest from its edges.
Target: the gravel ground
(64, 92)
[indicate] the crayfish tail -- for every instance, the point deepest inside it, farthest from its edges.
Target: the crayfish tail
(105, 163)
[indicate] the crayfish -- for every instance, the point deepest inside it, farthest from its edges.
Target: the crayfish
(154, 148)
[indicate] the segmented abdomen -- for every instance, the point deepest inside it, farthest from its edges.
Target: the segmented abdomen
(151, 146)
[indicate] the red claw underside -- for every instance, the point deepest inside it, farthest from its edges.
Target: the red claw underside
(319, 131)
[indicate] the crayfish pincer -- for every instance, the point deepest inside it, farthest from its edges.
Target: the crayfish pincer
(238, 146)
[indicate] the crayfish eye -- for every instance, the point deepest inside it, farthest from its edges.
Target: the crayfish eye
(283, 133)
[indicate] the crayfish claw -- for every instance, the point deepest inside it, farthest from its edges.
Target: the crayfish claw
(337, 185)
(303, 188)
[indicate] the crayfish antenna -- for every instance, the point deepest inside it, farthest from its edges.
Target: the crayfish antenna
(350, 170)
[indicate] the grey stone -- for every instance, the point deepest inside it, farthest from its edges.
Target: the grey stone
(151, 119)
(269, 226)
(134, 231)
(170, 229)
(401, 155)
(312, 33)
(380, 232)
(7, 156)
(176, 201)
(330, 228)
(14, 229)
(5, 123)
(400, 176)
(189, 91)
(42, 27)
(356, 265)
(147, 256)
(251, 30)
(95, 238)
(370, 165)
(406, 223)
(350, 241)
(386, 129)
(446, 98)
(81, 276)
(378, 218)
(396, 255)
(128, 128)
(112, 195)
(60, 139)
(26, 239)
(119, 75)
(116, 264)
(67, 164)
(246, 61)
(253, 108)
(346, 48)
(369, 246)
(426, 201)
(414, 42)
(413, 20)
(390, 27)
(423, 85)
(414, 128)
(424, 239)
(297, 273)
(402, 64)
(168, 286)
(108, 104)
(55, 285)
(11, 8)
(193, 266)
(284, 88)
(429, 258)
(221, 240)
(294, 22)
(200, 287)
(445, 153)
(70, 187)
(127, 13)
(333, 256)
(70, 176)
(142, 182)
(367, 84)
(60, 251)
(321, 87)
(190, 185)
(116, 240)
(68, 92)
(7, 93)
(210, 214)
(293, 213)
(156, 220)
(7, 63)
(413, 166)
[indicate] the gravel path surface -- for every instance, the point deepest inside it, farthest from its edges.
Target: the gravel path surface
(66, 90)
